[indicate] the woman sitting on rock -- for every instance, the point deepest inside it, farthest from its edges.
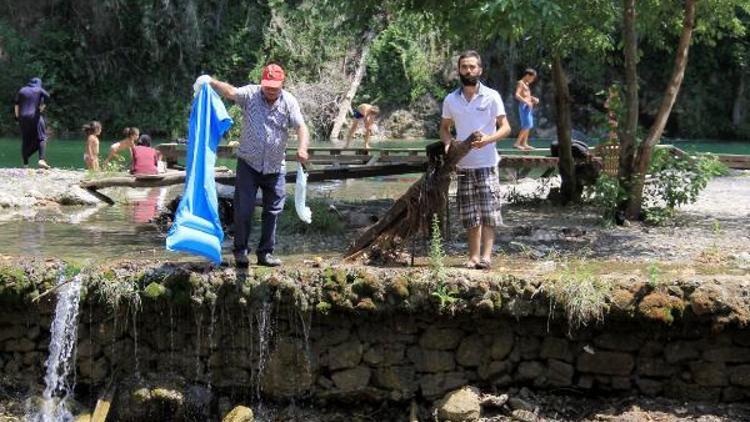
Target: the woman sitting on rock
(145, 158)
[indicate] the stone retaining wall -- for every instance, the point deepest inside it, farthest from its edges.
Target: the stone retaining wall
(284, 353)
(172, 334)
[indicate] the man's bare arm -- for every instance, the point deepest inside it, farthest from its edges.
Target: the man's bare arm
(502, 130)
(224, 89)
(303, 137)
(15, 108)
(445, 131)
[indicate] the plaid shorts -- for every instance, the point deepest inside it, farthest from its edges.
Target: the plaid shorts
(479, 197)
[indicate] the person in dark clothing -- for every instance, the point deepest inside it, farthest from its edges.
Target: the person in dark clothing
(29, 105)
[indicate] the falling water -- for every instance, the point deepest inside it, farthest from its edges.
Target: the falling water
(211, 328)
(171, 337)
(59, 382)
(265, 330)
(135, 342)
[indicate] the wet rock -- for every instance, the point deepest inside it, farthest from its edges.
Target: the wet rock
(345, 355)
(400, 379)
(440, 338)
(606, 363)
(493, 369)
(434, 385)
(517, 403)
(709, 374)
(351, 380)
(462, 405)
(502, 344)
(239, 414)
(493, 401)
(470, 351)
(650, 367)
(681, 351)
(649, 387)
(288, 371)
(93, 371)
(521, 415)
(682, 390)
(556, 348)
(431, 360)
(529, 371)
(19, 345)
(560, 374)
(728, 354)
(11, 332)
(741, 375)
(197, 401)
(620, 341)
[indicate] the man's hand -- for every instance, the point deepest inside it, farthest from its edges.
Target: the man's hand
(479, 140)
(302, 155)
(202, 79)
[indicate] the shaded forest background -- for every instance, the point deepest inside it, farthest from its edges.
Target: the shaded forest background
(132, 62)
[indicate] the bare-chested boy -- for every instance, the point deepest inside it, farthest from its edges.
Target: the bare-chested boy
(525, 109)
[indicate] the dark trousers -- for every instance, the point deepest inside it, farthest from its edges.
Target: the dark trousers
(246, 187)
(34, 137)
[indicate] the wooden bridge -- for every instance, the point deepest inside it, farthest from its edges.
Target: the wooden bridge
(351, 163)
(346, 163)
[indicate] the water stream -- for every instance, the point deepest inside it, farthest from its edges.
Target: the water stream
(60, 376)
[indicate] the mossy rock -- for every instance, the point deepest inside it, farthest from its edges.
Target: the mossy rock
(661, 306)
(239, 414)
(367, 305)
(154, 290)
(399, 287)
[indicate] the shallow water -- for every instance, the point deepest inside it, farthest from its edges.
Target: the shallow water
(123, 230)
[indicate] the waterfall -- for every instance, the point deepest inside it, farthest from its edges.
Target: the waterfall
(60, 377)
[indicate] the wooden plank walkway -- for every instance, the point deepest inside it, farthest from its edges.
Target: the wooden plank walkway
(378, 158)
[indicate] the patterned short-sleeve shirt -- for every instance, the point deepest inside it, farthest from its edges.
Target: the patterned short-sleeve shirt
(266, 128)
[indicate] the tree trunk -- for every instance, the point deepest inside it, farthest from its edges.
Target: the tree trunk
(412, 212)
(627, 133)
(346, 103)
(566, 164)
(738, 108)
(643, 159)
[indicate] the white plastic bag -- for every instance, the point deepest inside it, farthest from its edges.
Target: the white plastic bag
(202, 79)
(300, 192)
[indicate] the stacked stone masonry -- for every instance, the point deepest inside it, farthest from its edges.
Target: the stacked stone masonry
(284, 353)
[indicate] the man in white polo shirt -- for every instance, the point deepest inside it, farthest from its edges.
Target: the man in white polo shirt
(476, 108)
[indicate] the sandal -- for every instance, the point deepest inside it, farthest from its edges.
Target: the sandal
(483, 265)
(470, 265)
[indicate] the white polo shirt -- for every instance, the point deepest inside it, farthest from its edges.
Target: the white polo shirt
(479, 114)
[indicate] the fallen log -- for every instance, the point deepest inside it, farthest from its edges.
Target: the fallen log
(412, 213)
(144, 181)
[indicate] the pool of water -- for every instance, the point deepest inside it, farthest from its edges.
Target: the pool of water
(68, 153)
(124, 231)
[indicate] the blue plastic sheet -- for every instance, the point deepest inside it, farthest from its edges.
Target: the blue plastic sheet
(197, 228)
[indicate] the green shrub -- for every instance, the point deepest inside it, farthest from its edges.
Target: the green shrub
(676, 181)
(606, 194)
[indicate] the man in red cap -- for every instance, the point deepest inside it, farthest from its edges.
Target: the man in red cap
(268, 112)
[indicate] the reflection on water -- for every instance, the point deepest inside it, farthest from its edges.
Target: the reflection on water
(124, 230)
(119, 231)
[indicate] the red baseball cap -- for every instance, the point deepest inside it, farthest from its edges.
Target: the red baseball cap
(273, 76)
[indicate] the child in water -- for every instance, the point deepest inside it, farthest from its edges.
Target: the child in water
(131, 135)
(91, 155)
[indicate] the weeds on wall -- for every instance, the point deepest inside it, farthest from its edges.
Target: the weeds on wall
(583, 296)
